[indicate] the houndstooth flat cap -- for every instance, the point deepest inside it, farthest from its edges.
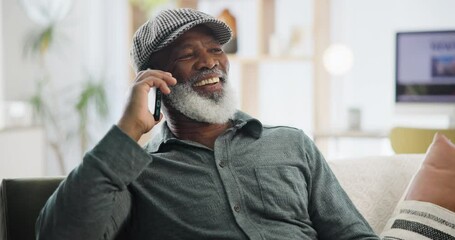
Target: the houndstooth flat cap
(167, 26)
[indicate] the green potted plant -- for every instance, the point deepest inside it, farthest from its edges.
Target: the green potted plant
(47, 14)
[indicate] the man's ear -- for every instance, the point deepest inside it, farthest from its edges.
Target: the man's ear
(435, 180)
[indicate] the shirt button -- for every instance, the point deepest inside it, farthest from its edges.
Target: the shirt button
(237, 207)
(222, 164)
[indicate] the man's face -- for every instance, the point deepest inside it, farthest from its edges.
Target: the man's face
(196, 58)
(200, 66)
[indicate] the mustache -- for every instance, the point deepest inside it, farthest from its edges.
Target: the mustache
(205, 73)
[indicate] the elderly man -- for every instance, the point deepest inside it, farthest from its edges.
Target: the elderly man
(211, 172)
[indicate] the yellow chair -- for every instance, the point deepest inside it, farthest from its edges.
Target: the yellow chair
(415, 140)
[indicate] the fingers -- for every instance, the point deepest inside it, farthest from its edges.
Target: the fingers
(156, 78)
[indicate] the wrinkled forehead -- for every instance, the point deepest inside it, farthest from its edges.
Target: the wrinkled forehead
(200, 32)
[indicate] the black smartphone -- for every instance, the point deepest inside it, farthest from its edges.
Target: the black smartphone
(157, 111)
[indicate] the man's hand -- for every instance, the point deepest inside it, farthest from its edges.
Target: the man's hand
(137, 118)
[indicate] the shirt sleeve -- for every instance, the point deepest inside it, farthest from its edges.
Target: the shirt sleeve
(332, 213)
(93, 201)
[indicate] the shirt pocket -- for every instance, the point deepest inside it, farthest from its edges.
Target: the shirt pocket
(283, 192)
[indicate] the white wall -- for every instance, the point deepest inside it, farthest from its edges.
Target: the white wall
(1, 69)
(91, 41)
(369, 27)
(22, 153)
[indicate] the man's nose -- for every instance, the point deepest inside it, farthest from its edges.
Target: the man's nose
(206, 61)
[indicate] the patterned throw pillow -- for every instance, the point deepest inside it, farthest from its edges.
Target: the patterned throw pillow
(428, 209)
(435, 181)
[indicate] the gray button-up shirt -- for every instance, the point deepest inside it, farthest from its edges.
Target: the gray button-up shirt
(259, 182)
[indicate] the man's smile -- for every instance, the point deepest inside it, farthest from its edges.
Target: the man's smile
(209, 81)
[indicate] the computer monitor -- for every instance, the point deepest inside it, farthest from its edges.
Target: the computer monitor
(425, 72)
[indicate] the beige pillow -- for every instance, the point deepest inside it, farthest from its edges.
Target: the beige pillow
(435, 180)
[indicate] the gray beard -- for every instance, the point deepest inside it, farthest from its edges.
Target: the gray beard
(218, 108)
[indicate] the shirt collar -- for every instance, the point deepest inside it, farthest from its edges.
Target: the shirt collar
(248, 124)
(241, 121)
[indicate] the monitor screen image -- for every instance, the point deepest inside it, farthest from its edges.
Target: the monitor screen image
(425, 67)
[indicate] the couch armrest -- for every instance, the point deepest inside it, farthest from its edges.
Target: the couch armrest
(376, 184)
(21, 202)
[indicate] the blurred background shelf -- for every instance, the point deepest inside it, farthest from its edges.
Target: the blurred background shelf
(275, 41)
(278, 85)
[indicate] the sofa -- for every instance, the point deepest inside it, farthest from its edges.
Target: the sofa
(375, 184)
(405, 196)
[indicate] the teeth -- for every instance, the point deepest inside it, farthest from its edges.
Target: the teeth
(207, 81)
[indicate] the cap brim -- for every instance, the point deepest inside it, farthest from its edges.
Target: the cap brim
(221, 31)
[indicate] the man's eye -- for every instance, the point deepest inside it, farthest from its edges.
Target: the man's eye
(185, 56)
(217, 50)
